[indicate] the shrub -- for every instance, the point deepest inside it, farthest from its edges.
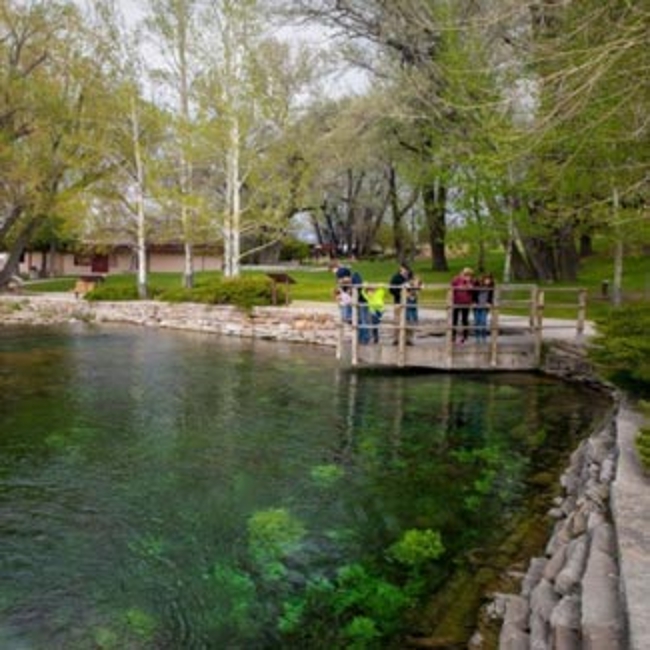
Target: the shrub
(113, 293)
(244, 292)
(622, 347)
(292, 249)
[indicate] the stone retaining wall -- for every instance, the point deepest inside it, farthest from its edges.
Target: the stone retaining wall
(571, 597)
(299, 325)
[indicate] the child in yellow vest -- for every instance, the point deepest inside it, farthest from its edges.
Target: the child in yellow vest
(376, 297)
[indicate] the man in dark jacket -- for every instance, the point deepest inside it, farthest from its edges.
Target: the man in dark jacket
(402, 277)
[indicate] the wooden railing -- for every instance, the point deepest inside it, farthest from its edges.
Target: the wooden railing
(515, 308)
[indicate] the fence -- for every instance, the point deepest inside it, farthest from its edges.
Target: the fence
(517, 313)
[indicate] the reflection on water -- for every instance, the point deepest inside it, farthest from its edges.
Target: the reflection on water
(175, 490)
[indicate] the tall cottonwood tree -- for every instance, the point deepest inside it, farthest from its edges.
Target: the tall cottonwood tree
(395, 39)
(51, 87)
(124, 206)
(436, 56)
(356, 186)
(591, 136)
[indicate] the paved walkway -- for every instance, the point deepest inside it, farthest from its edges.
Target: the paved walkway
(631, 509)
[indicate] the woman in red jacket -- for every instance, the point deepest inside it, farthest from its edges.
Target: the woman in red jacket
(462, 295)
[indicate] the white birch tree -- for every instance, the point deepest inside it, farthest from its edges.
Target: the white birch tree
(124, 202)
(172, 27)
(247, 94)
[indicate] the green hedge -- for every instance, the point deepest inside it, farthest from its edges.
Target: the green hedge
(112, 292)
(622, 348)
(242, 292)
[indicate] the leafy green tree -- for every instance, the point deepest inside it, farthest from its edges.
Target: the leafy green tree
(52, 88)
(589, 141)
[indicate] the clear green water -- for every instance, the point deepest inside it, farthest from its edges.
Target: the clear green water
(176, 490)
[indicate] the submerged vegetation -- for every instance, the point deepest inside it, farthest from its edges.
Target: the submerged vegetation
(222, 519)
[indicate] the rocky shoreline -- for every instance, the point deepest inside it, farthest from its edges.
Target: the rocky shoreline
(573, 597)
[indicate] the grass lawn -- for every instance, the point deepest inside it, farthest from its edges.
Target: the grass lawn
(316, 282)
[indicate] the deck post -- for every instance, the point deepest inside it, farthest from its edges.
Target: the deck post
(582, 313)
(539, 323)
(401, 340)
(532, 309)
(339, 341)
(494, 329)
(355, 326)
(449, 331)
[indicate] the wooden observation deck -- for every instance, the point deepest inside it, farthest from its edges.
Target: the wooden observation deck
(516, 330)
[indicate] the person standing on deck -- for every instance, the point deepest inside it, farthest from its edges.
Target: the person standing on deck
(375, 297)
(351, 281)
(343, 292)
(412, 316)
(483, 300)
(462, 296)
(402, 277)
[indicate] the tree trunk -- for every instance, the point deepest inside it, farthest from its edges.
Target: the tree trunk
(434, 198)
(17, 248)
(567, 255)
(519, 268)
(586, 246)
(232, 229)
(398, 226)
(617, 284)
(141, 244)
(540, 258)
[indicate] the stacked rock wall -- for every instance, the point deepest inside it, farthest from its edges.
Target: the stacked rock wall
(571, 597)
(295, 324)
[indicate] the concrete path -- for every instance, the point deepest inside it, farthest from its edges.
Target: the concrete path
(631, 511)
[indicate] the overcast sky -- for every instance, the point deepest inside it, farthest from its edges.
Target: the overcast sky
(346, 82)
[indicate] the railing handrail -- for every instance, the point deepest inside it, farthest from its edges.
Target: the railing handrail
(536, 304)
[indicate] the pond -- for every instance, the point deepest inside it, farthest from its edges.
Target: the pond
(178, 490)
